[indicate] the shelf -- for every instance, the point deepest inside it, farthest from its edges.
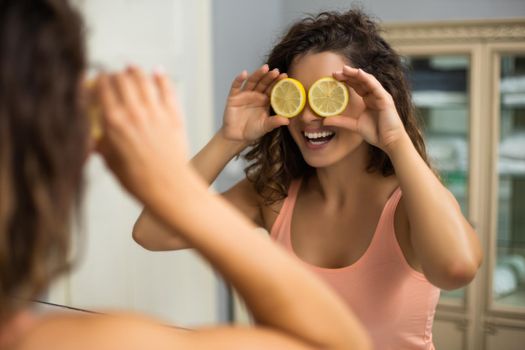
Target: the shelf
(512, 95)
(439, 99)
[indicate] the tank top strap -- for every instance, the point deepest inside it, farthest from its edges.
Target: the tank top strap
(387, 245)
(391, 205)
(293, 192)
(285, 214)
(384, 236)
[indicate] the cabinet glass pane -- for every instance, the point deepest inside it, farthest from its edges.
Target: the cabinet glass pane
(440, 92)
(509, 273)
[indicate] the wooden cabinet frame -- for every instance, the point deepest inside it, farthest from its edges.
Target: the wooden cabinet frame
(483, 42)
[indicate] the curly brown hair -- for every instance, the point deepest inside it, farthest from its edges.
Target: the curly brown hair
(275, 160)
(43, 143)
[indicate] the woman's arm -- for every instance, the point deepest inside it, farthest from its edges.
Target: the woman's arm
(245, 120)
(135, 332)
(443, 241)
(152, 234)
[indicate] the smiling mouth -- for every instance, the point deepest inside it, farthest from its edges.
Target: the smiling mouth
(318, 138)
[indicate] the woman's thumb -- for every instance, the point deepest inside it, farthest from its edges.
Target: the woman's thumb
(275, 122)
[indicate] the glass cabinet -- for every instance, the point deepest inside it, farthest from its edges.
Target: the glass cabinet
(509, 270)
(440, 92)
(468, 85)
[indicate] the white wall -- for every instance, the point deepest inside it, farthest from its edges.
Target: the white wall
(243, 33)
(113, 271)
(414, 10)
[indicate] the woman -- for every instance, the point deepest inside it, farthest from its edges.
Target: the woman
(351, 196)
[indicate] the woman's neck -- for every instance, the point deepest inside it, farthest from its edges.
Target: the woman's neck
(346, 181)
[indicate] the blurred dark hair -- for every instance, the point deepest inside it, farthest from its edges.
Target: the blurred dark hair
(275, 158)
(43, 143)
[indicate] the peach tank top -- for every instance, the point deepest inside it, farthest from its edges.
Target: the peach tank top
(395, 303)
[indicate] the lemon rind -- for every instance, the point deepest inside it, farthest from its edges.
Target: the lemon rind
(328, 114)
(302, 93)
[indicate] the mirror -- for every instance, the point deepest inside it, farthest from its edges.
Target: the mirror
(202, 45)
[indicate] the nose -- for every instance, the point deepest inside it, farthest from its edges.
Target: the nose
(308, 115)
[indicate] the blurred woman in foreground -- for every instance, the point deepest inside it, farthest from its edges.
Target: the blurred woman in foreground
(43, 145)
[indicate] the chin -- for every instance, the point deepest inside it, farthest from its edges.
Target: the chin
(320, 161)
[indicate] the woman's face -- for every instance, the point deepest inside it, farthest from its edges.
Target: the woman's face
(334, 143)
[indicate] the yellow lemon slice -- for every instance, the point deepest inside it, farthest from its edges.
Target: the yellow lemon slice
(93, 112)
(328, 97)
(288, 98)
(95, 122)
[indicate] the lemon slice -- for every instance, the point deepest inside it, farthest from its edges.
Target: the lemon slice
(94, 115)
(93, 112)
(328, 97)
(288, 98)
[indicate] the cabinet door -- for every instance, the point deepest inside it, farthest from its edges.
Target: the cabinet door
(505, 327)
(449, 334)
(508, 268)
(504, 338)
(440, 90)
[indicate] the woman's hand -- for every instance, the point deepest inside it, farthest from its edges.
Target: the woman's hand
(379, 124)
(143, 142)
(246, 116)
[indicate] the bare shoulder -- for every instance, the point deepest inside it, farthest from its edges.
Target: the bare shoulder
(270, 213)
(83, 332)
(244, 190)
(244, 196)
(245, 338)
(131, 332)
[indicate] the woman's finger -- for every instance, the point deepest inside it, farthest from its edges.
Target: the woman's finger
(365, 83)
(275, 122)
(249, 99)
(266, 80)
(353, 82)
(167, 94)
(108, 99)
(145, 87)
(237, 83)
(255, 77)
(281, 76)
(129, 94)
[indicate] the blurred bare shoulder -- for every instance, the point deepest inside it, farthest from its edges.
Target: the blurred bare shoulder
(101, 332)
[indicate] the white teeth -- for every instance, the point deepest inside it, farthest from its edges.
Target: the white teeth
(316, 135)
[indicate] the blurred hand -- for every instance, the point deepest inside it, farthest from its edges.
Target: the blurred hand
(143, 141)
(246, 117)
(379, 124)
